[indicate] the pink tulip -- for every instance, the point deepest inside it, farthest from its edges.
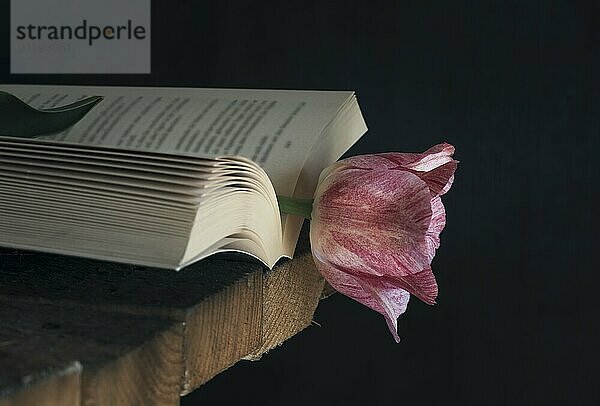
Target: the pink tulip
(376, 222)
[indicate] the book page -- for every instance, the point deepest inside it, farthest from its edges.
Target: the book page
(277, 129)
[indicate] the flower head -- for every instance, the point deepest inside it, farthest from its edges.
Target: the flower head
(375, 227)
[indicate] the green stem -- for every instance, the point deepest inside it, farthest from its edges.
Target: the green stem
(296, 207)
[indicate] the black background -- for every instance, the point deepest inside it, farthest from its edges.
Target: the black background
(514, 86)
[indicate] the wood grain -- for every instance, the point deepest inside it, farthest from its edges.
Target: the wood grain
(149, 374)
(51, 387)
(142, 335)
(222, 329)
(103, 343)
(291, 293)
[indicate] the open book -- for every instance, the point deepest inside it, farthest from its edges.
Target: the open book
(164, 177)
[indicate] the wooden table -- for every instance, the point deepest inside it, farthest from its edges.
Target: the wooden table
(82, 332)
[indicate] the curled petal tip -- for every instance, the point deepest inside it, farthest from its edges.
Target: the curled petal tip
(449, 147)
(421, 284)
(393, 326)
(440, 179)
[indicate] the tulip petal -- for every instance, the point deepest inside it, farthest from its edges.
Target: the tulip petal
(421, 284)
(434, 157)
(374, 222)
(378, 294)
(437, 224)
(440, 179)
(392, 299)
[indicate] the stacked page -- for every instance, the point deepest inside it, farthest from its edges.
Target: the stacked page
(166, 176)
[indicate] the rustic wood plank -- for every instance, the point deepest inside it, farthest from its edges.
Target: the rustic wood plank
(291, 293)
(218, 301)
(46, 388)
(150, 374)
(156, 332)
(222, 330)
(103, 343)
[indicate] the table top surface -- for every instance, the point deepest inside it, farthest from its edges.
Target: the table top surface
(78, 330)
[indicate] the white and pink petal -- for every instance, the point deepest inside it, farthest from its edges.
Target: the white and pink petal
(375, 221)
(379, 295)
(435, 156)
